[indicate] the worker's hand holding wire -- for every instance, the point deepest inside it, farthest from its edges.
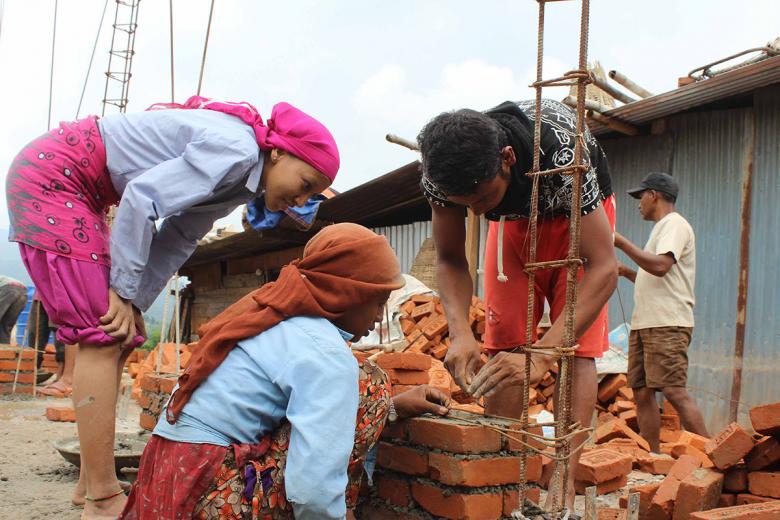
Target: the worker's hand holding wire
(420, 400)
(119, 321)
(463, 360)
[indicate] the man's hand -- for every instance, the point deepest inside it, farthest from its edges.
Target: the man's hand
(463, 360)
(420, 400)
(507, 369)
(140, 324)
(119, 321)
(619, 240)
(624, 270)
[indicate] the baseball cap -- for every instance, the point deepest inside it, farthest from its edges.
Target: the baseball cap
(656, 181)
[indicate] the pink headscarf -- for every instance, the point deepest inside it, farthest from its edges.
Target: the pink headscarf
(288, 129)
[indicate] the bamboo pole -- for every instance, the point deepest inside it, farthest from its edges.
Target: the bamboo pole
(630, 85)
(612, 91)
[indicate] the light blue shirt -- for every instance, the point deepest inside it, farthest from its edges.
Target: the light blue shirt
(191, 166)
(302, 370)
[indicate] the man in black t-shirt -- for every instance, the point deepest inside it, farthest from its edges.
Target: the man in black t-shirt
(480, 160)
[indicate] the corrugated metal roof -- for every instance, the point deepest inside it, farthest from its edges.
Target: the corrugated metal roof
(722, 86)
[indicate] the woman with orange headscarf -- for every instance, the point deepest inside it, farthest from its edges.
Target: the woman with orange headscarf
(274, 416)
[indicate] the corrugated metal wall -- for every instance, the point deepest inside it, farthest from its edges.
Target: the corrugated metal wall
(406, 240)
(761, 373)
(704, 151)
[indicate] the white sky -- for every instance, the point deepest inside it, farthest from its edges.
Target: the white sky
(364, 68)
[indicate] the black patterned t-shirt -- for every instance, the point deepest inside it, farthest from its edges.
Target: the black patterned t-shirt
(557, 151)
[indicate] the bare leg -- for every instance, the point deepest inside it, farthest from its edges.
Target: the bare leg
(94, 397)
(686, 406)
(648, 416)
(584, 389)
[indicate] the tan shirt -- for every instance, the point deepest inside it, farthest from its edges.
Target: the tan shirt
(667, 301)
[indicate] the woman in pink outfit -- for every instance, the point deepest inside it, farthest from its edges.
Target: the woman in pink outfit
(188, 164)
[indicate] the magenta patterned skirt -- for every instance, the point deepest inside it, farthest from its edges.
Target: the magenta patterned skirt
(59, 191)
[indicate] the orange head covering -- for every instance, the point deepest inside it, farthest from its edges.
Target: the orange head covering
(343, 266)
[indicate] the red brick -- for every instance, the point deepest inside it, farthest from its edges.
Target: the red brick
(602, 488)
(646, 494)
(670, 421)
(399, 389)
(150, 383)
(394, 430)
(422, 298)
(667, 435)
(423, 310)
(408, 377)
(167, 383)
(512, 499)
(699, 492)
(736, 480)
(747, 498)
(61, 414)
(23, 366)
(611, 513)
(393, 490)
(448, 435)
(662, 505)
(148, 422)
(602, 465)
(626, 446)
(8, 388)
(24, 377)
(456, 470)
(616, 429)
(439, 502)
(692, 439)
(631, 420)
(7, 353)
(729, 446)
(764, 483)
(727, 500)
(437, 326)
(764, 454)
(659, 464)
(145, 400)
(768, 511)
(609, 386)
(626, 394)
(376, 511)
(766, 418)
(513, 444)
(402, 459)
(683, 467)
(678, 450)
(404, 360)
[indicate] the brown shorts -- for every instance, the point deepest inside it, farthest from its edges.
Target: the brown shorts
(658, 357)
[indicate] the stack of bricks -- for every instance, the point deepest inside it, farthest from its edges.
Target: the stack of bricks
(9, 358)
(155, 391)
(49, 359)
(445, 468)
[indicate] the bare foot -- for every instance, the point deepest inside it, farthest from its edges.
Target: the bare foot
(104, 509)
(81, 490)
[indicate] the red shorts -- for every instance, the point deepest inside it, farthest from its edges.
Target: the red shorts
(506, 302)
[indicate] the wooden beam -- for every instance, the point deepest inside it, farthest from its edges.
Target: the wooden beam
(263, 261)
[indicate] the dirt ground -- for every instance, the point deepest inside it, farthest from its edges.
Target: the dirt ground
(35, 481)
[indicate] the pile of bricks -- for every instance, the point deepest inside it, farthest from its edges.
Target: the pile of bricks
(734, 475)
(447, 468)
(155, 391)
(425, 326)
(9, 357)
(134, 361)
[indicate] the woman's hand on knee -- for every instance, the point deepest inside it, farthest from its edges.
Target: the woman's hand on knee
(420, 400)
(119, 321)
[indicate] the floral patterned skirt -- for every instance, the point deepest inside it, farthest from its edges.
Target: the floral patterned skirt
(207, 482)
